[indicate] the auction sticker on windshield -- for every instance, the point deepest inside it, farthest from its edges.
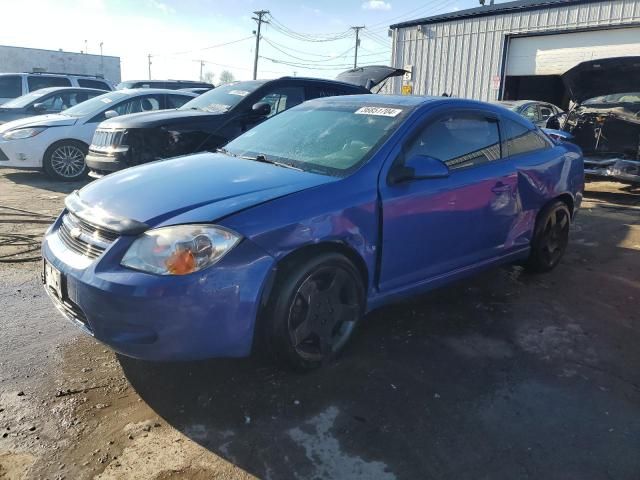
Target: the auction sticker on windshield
(380, 111)
(241, 93)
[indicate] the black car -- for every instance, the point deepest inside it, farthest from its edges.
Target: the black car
(44, 101)
(533, 110)
(169, 84)
(605, 118)
(207, 122)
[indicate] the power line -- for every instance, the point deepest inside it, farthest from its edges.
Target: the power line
(326, 37)
(201, 49)
(428, 5)
(308, 60)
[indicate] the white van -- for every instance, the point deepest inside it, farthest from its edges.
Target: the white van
(13, 85)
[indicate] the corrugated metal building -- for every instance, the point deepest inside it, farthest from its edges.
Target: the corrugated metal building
(513, 50)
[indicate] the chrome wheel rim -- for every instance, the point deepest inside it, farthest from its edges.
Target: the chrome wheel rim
(323, 313)
(68, 161)
(555, 236)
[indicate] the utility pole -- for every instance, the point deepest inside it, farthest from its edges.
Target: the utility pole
(357, 30)
(260, 19)
(149, 58)
(101, 61)
(201, 67)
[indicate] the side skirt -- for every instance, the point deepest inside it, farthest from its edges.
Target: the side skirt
(423, 286)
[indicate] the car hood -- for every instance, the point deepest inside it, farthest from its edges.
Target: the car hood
(158, 118)
(369, 76)
(197, 188)
(53, 120)
(606, 76)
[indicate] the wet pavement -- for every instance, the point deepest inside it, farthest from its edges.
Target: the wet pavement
(502, 376)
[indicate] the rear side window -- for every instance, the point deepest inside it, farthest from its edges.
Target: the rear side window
(37, 82)
(87, 83)
(460, 140)
(10, 86)
(519, 139)
(176, 101)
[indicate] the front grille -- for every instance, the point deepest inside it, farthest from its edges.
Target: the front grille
(106, 139)
(70, 310)
(83, 237)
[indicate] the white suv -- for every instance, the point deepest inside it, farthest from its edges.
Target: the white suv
(14, 85)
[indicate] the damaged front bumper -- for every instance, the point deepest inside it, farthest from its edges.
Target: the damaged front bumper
(618, 169)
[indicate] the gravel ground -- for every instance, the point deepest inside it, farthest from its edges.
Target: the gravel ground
(503, 376)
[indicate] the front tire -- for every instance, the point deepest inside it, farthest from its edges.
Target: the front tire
(65, 161)
(315, 307)
(550, 238)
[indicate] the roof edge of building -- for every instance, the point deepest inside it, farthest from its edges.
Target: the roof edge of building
(488, 10)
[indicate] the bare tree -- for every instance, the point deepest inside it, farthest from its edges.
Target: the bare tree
(208, 76)
(226, 76)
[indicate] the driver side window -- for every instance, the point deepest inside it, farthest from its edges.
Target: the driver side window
(282, 99)
(460, 140)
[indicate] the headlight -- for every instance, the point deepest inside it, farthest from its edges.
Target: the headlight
(179, 250)
(19, 133)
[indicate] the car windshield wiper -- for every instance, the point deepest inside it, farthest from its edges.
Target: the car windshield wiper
(264, 159)
(224, 151)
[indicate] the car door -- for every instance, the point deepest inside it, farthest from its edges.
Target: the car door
(432, 227)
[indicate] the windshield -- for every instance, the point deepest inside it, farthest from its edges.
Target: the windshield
(328, 139)
(630, 97)
(24, 100)
(94, 105)
(224, 98)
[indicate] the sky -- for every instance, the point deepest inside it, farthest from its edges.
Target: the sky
(303, 37)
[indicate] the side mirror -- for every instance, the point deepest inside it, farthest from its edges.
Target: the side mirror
(39, 107)
(420, 167)
(260, 109)
(110, 114)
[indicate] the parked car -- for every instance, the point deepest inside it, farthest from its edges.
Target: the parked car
(14, 85)
(169, 84)
(298, 227)
(533, 110)
(58, 143)
(207, 122)
(45, 100)
(605, 120)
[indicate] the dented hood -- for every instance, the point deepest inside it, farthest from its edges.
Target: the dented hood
(605, 76)
(198, 188)
(370, 76)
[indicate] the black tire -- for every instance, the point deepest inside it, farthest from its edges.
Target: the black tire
(312, 293)
(550, 237)
(62, 160)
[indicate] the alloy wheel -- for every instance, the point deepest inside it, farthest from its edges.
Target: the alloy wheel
(323, 313)
(555, 236)
(68, 161)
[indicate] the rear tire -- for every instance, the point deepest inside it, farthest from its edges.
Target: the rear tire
(550, 237)
(314, 309)
(65, 161)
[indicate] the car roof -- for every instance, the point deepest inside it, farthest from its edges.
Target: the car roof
(410, 101)
(62, 89)
(142, 91)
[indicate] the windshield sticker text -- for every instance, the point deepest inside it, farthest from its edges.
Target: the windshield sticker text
(240, 93)
(106, 100)
(380, 111)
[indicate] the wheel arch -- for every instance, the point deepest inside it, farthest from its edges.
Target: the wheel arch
(304, 252)
(62, 140)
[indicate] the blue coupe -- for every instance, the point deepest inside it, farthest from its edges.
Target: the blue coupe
(300, 226)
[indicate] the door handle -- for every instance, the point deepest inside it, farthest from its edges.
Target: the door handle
(500, 187)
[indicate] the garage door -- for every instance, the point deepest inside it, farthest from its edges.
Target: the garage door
(555, 54)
